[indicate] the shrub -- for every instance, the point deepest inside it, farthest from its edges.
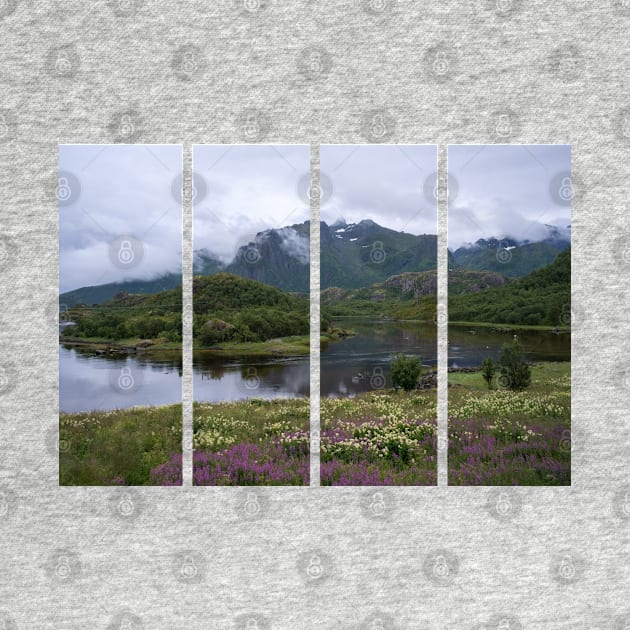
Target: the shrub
(488, 369)
(515, 373)
(405, 371)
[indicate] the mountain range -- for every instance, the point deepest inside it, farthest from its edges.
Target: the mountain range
(352, 256)
(510, 257)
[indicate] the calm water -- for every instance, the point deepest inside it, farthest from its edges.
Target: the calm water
(361, 363)
(357, 364)
(88, 381)
(466, 349)
(223, 378)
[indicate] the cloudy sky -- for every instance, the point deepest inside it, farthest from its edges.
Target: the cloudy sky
(245, 189)
(390, 184)
(504, 191)
(124, 190)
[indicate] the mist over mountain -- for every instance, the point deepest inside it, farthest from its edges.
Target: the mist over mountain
(510, 256)
(353, 255)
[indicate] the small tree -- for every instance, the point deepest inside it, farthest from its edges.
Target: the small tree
(488, 369)
(405, 371)
(515, 373)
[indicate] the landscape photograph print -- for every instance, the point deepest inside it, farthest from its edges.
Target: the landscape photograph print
(378, 259)
(509, 311)
(251, 315)
(120, 315)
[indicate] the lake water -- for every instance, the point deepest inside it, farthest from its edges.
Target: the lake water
(357, 364)
(88, 381)
(468, 346)
(361, 363)
(218, 378)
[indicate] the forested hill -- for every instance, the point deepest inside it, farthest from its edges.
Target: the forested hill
(231, 308)
(541, 298)
(103, 292)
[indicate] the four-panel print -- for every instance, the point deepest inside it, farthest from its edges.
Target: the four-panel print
(122, 326)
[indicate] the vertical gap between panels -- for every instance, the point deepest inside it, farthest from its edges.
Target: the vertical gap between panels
(187, 319)
(442, 315)
(315, 321)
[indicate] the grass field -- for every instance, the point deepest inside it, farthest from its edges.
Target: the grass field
(121, 447)
(386, 437)
(500, 437)
(381, 438)
(251, 443)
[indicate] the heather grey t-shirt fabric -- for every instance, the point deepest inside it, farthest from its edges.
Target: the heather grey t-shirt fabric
(304, 72)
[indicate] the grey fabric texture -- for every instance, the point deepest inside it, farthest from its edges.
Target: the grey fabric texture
(306, 72)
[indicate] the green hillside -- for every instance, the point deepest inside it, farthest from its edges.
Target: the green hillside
(515, 262)
(129, 316)
(541, 298)
(104, 292)
(229, 308)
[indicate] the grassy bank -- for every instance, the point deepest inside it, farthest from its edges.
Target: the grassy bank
(282, 346)
(500, 437)
(120, 447)
(512, 326)
(251, 442)
(384, 437)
